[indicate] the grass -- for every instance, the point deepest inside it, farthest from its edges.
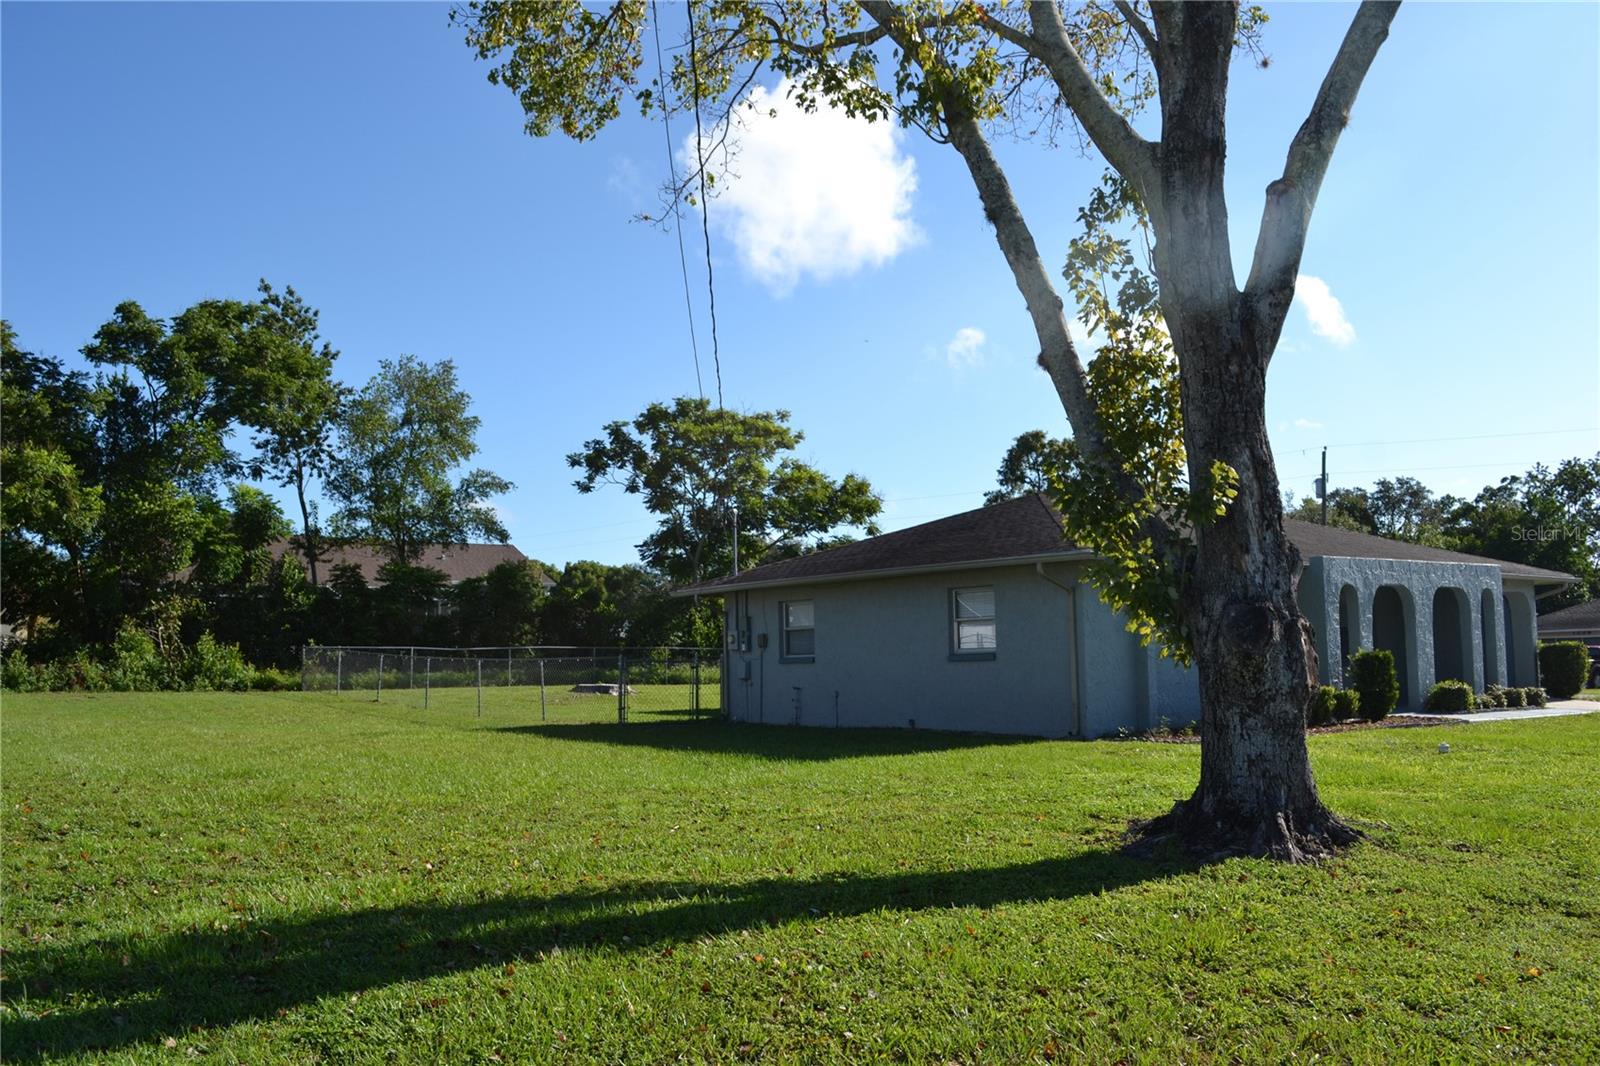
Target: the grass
(309, 878)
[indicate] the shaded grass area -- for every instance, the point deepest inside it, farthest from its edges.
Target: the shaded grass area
(302, 877)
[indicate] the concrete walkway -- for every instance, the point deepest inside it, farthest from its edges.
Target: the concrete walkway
(1554, 709)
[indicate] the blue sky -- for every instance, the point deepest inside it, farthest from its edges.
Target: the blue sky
(168, 153)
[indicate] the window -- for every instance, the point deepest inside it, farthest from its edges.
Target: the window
(799, 630)
(972, 614)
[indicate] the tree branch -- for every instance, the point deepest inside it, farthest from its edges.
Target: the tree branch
(1132, 155)
(1290, 199)
(1130, 15)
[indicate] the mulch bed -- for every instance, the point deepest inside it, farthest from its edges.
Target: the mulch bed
(1409, 721)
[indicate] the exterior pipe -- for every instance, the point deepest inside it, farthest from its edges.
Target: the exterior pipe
(1077, 649)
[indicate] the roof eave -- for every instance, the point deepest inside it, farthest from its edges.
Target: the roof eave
(1076, 555)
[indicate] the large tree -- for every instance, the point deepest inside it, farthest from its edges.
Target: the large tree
(403, 437)
(694, 464)
(285, 392)
(1223, 564)
(1029, 465)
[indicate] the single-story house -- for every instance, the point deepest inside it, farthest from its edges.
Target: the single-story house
(983, 622)
(1578, 622)
(458, 562)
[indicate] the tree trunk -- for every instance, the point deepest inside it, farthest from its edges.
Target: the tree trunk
(1252, 647)
(308, 540)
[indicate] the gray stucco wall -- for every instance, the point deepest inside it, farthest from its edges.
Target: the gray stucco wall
(1064, 664)
(1482, 635)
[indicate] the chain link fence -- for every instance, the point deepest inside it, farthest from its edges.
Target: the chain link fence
(525, 685)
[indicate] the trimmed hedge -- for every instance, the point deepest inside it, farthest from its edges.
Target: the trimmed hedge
(1346, 704)
(1449, 697)
(1535, 696)
(1320, 710)
(1373, 677)
(1514, 697)
(1564, 666)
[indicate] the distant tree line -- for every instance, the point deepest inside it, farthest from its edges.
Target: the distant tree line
(1548, 517)
(127, 506)
(131, 519)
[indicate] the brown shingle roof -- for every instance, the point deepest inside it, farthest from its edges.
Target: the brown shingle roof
(1030, 528)
(1581, 616)
(456, 562)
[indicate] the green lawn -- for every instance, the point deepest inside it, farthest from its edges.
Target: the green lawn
(314, 878)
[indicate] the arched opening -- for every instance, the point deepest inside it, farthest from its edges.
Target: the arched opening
(1452, 641)
(1491, 640)
(1349, 609)
(1389, 625)
(1520, 667)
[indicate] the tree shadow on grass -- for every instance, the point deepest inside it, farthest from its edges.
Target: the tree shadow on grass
(147, 988)
(800, 743)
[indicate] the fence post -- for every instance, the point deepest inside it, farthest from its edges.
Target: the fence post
(541, 691)
(480, 688)
(380, 678)
(304, 677)
(694, 681)
(427, 680)
(411, 670)
(622, 690)
(338, 675)
(508, 667)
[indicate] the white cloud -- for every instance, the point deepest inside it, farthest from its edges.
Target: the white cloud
(1306, 423)
(965, 349)
(817, 195)
(1323, 310)
(625, 180)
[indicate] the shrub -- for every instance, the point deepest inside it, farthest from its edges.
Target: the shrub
(1564, 665)
(19, 675)
(212, 666)
(1449, 697)
(1373, 677)
(1492, 696)
(135, 664)
(270, 680)
(1514, 697)
(1346, 703)
(1535, 696)
(1320, 710)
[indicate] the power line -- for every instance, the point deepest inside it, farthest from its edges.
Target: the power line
(1473, 436)
(677, 215)
(705, 208)
(1410, 469)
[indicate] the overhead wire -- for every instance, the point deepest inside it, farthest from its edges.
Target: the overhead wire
(705, 208)
(677, 214)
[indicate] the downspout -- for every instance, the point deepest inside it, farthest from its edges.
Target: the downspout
(1077, 650)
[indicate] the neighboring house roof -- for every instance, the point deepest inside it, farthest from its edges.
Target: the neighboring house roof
(1029, 529)
(1579, 618)
(457, 562)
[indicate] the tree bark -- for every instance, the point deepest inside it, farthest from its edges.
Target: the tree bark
(308, 540)
(1252, 648)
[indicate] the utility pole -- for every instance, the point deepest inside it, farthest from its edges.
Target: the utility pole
(735, 540)
(1322, 485)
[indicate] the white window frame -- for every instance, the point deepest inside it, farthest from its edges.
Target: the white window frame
(956, 621)
(784, 629)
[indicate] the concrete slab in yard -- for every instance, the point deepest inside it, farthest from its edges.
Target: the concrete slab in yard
(1554, 709)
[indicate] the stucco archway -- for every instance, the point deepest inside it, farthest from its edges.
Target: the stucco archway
(1490, 637)
(1521, 669)
(1452, 635)
(1393, 618)
(1349, 634)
